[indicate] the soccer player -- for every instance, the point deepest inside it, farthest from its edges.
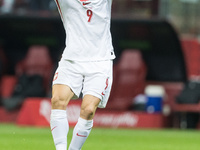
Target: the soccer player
(85, 66)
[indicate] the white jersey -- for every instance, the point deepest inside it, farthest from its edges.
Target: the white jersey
(87, 26)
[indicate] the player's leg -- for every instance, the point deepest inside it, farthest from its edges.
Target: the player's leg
(96, 90)
(61, 95)
(85, 122)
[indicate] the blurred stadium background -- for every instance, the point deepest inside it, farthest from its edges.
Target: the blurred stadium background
(156, 72)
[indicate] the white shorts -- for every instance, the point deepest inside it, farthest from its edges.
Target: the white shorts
(93, 78)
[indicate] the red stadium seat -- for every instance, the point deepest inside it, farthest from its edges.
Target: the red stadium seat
(7, 86)
(37, 61)
(191, 50)
(129, 80)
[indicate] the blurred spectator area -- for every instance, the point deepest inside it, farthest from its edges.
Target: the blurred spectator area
(183, 14)
(135, 8)
(146, 8)
(27, 7)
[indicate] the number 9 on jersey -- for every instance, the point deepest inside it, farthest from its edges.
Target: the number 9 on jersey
(89, 14)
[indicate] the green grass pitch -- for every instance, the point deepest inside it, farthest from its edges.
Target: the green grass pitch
(13, 137)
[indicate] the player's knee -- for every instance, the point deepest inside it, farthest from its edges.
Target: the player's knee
(58, 102)
(88, 111)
